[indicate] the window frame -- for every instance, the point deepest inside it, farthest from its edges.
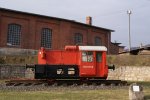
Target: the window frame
(88, 56)
(14, 34)
(98, 41)
(78, 38)
(46, 38)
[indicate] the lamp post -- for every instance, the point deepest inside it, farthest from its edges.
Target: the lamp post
(129, 13)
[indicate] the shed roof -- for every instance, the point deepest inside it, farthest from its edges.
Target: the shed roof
(62, 19)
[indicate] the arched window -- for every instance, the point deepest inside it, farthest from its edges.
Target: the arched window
(78, 38)
(14, 34)
(46, 38)
(98, 41)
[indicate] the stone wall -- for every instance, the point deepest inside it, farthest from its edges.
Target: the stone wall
(130, 73)
(16, 71)
(12, 71)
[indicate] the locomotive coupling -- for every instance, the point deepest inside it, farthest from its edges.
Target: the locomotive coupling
(111, 67)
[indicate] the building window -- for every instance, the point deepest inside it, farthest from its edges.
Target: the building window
(14, 35)
(46, 38)
(98, 41)
(78, 39)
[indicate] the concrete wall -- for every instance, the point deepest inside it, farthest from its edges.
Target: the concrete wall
(131, 73)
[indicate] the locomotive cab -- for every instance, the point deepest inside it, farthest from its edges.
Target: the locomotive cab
(93, 62)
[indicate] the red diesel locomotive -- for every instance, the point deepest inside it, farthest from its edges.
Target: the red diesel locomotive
(75, 62)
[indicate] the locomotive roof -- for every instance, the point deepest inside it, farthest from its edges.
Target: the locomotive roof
(92, 48)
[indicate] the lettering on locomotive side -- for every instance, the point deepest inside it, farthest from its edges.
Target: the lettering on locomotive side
(88, 66)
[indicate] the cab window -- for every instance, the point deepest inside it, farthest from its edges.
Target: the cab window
(98, 56)
(87, 56)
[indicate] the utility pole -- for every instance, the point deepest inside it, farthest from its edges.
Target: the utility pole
(129, 13)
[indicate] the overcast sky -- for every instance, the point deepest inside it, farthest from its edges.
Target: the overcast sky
(111, 14)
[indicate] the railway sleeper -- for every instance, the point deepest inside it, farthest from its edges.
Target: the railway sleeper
(66, 83)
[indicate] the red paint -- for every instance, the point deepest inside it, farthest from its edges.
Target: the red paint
(73, 56)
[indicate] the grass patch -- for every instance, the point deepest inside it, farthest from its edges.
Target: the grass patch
(129, 60)
(2, 81)
(67, 95)
(113, 94)
(16, 59)
(74, 94)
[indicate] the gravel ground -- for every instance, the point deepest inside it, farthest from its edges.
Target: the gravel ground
(42, 87)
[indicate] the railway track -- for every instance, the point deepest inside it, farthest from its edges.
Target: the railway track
(52, 85)
(63, 82)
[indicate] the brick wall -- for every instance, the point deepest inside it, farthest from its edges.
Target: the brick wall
(114, 49)
(62, 31)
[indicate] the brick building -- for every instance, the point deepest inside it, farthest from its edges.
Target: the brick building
(32, 31)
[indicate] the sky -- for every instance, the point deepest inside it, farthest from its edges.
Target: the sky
(110, 14)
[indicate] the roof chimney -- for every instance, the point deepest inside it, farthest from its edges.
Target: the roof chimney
(89, 20)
